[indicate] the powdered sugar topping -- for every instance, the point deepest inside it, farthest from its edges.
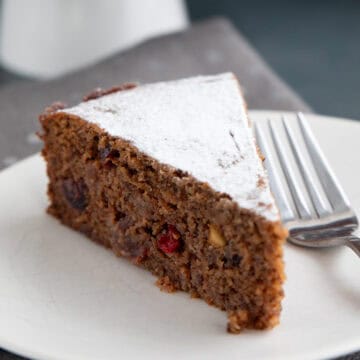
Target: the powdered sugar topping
(198, 125)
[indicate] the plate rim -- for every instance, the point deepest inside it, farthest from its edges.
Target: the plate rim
(345, 348)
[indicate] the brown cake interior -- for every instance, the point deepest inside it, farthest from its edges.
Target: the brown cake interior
(191, 237)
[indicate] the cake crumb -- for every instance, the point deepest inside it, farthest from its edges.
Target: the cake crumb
(164, 284)
(237, 321)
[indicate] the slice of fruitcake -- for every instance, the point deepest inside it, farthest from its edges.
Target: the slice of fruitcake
(168, 175)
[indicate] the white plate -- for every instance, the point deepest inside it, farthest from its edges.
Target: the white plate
(64, 297)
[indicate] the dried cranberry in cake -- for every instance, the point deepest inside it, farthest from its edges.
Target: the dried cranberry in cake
(75, 193)
(169, 241)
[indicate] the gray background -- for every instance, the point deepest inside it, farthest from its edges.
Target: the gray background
(312, 44)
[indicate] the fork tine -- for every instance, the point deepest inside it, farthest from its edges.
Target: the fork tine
(332, 188)
(317, 200)
(286, 211)
(287, 169)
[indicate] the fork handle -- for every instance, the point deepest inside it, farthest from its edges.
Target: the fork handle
(353, 242)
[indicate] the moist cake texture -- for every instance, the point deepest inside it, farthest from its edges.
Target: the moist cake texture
(168, 175)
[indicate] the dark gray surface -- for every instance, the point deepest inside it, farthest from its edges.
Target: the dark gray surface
(207, 48)
(311, 44)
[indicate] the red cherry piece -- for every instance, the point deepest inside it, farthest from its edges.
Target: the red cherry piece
(169, 241)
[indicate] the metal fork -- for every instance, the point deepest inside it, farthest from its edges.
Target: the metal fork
(332, 221)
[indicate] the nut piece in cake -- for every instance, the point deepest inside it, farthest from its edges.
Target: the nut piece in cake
(215, 237)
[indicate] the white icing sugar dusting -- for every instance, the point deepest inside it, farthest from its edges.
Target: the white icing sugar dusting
(198, 125)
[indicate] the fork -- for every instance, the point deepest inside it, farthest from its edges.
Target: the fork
(329, 220)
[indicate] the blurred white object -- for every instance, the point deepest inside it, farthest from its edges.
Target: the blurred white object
(47, 38)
